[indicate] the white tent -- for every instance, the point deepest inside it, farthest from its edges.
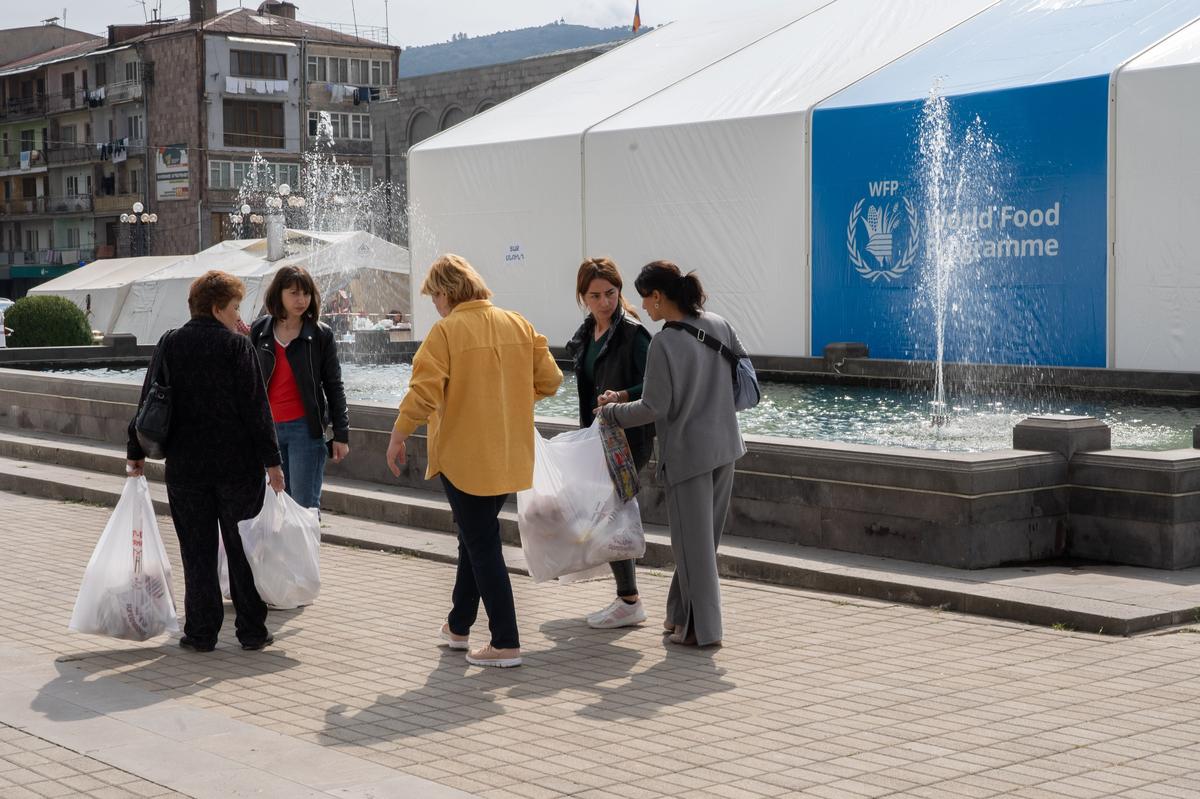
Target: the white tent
(1157, 205)
(148, 296)
(100, 288)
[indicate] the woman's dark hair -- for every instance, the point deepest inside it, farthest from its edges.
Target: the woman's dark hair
(213, 289)
(683, 290)
(292, 277)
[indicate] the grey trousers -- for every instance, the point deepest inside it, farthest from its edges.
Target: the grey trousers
(697, 508)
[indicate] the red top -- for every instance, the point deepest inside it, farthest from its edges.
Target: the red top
(282, 391)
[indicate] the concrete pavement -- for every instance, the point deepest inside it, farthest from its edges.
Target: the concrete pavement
(813, 695)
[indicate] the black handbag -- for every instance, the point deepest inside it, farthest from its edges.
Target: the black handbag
(153, 421)
(746, 392)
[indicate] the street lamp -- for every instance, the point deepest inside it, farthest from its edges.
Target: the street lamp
(139, 223)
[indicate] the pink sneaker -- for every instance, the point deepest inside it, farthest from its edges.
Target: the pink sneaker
(491, 656)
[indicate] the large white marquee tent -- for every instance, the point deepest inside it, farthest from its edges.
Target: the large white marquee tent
(695, 143)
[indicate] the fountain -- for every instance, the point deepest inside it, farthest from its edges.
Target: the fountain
(958, 177)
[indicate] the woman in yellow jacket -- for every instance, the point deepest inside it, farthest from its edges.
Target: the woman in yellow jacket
(474, 381)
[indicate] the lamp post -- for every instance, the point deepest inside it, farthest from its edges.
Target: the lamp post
(140, 223)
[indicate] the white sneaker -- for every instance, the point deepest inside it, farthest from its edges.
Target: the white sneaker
(619, 614)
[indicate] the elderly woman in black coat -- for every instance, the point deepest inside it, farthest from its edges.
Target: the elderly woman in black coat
(221, 442)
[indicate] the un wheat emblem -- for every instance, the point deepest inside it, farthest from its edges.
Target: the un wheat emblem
(881, 223)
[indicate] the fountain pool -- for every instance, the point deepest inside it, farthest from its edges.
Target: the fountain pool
(857, 415)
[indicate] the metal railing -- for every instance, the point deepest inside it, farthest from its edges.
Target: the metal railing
(31, 205)
(61, 204)
(125, 90)
(17, 107)
(71, 153)
(37, 160)
(66, 101)
(114, 203)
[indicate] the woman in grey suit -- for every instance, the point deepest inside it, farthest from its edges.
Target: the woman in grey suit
(688, 395)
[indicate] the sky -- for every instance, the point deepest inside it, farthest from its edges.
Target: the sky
(411, 22)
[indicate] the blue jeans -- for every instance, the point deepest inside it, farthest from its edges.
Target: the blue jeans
(303, 461)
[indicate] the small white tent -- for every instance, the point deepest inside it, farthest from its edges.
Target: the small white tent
(101, 287)
(148, 296)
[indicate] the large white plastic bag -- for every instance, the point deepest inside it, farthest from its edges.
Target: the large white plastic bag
(283, 546)
(571, 519)
(126, 588)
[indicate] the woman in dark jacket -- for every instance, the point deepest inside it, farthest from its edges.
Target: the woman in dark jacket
(220, 441)
(300, 367)
(609, 350)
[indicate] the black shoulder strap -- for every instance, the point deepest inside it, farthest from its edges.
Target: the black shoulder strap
(162, 374)
(710, 341)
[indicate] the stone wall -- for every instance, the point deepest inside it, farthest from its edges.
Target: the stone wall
(967, 510)
(174, 101)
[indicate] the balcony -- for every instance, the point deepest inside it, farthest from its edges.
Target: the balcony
(15, 108)
(71, 154)
(45, 257)
(69, 204)
(352, 147)
(19, 207)
(114, 203)
(62, 204)
(67, 101)
(11, 163)
(123, 91)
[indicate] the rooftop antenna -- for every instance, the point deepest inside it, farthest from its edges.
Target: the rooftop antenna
(387, 28)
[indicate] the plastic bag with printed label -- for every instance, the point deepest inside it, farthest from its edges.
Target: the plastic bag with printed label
(283, 547)
(126, 588)
(572, 519)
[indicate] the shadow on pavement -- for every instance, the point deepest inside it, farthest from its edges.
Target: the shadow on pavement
(581, 661)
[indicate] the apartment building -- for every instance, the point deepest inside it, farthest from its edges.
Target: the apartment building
(169, 114)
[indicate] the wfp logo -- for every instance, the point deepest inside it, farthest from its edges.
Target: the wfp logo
(890, 248)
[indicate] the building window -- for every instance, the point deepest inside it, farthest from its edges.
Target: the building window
(4, 143)
(345, 126)
(255, 64)
(232, 174)
(360, 71)
(381, 73)
(67, 134)
(101, 70)
(133, 71)
(72, 185)
(251, 124)
(135, 127)
(72, 238)
(339, 69)
(135, 183)
(360, 126)
(316, 68)
(27, 140)
(361, 176)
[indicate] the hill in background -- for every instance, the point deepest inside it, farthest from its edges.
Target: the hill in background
(499, 48)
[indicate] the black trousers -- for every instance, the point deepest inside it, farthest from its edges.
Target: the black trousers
(199, 510)
(481, 570)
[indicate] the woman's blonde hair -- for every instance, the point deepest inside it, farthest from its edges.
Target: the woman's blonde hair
(456, 279)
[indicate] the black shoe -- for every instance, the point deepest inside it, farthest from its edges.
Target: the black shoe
(254, 646)
(195, 646)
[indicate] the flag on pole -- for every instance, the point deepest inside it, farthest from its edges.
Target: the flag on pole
(637, 15)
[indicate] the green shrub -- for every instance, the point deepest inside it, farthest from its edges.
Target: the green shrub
(47, 321)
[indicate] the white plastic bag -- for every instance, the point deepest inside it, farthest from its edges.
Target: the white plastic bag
(571, 519)
(223, 568)
(283, 546)
(126, 588)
